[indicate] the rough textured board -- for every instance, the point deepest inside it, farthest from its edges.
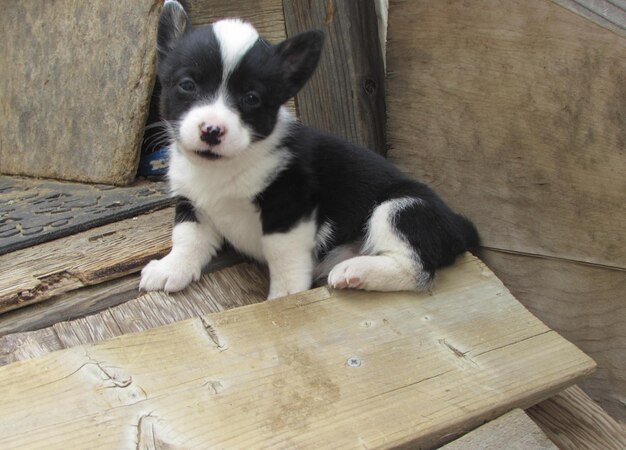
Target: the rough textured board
(111, 251)
(345, 96)
(512, 431)
(70, 305)
(516, 114)
(92, 299)
(33, 211)
(266, 15)
(224, 289)
(342, 368)
(574, 421)
(586, 304)
(76, 82)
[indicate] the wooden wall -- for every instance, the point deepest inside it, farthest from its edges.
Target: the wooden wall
(515, 111)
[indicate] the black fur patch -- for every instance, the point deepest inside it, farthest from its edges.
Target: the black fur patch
(185, 211)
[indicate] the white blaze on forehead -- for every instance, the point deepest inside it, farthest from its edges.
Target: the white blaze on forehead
(235, 38)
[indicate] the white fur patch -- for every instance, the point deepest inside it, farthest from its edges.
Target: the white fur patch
(290, 259)
(388, 263)
(193, 246)
(235, 38)
(324, 236)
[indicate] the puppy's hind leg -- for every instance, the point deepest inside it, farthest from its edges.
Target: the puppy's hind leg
(388, 261)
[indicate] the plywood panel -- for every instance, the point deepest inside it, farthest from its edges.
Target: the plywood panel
(587, 305)
(516, 112)
(321, 368)
(76, 83)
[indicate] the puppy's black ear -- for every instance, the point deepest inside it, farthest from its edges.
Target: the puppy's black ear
(299, 56)
(173, 23)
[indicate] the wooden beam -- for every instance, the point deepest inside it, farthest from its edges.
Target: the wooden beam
(346, 95)
(322, 368)
(573, 420)
(512, 431)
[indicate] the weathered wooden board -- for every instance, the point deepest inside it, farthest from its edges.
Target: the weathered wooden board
(76, 83)
(224, 289)
(38, 273)
(266, 15)
(512, 431)
(574, 421)
(586, 304)
(320, 368)
(70, 305)
(346, 94)
(516, 113)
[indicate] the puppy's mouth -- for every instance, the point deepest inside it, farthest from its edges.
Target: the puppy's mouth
(208, 154)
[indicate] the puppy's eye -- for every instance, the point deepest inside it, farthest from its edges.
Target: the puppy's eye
(252, 99)
(187, 85)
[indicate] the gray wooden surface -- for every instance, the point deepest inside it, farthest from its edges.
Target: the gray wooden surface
(76, 83)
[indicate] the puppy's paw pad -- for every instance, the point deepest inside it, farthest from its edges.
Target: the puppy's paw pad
(168, 275)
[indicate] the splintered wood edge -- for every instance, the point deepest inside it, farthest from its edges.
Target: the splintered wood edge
(104, 253)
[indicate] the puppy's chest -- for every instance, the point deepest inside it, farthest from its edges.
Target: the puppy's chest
(239, 221)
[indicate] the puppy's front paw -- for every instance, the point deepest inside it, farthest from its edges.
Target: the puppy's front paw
(168, 274)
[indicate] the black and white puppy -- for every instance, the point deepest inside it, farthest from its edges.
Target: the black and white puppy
(307, 204)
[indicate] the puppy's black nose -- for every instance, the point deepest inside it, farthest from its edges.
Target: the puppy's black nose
(211, 134)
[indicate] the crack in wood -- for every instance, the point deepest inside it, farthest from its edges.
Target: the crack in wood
(457, 352)
(212, 334)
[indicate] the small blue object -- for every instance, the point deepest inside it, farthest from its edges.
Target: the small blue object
(154, 164)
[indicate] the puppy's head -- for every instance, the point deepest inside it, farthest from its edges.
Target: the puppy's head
(223, 85)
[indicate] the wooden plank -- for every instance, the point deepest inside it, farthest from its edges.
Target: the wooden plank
(585, 304)
(574, 421)
(62, 62)
(93, 299)
(345, 96)
(512, 431)
(321, 368)
(224, 289)
(516, 116)
(266, 15)
(70, 305)
(111, 251)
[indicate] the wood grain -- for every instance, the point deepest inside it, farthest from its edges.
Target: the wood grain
(345, 96)
(266, 15)
(585, 304)
(317, 369)
(516, 114)
(574, 421)
(512, 431)
(111, 251)
(217, 291)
